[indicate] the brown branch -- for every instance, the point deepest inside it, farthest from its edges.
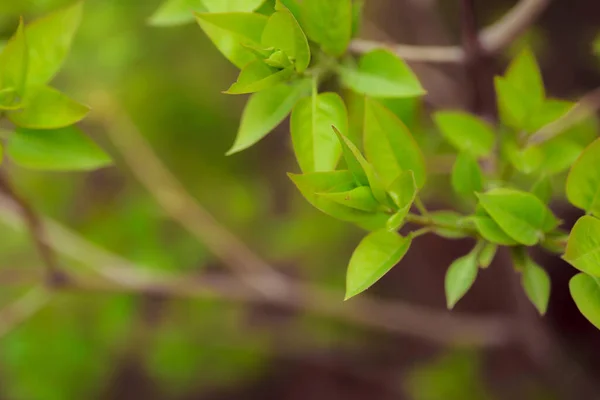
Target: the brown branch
(14, 314)
(54, 276)
(493, 39)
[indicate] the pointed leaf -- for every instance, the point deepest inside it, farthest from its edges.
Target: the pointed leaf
(460, 277)
(488, 252)
(265, 110)
(542, 189)
(585, 291)
(583, 247)
(55, 150)
(536, 282)
(376, 254)
(317, 17)
(315, 144)
(257, 76)
(47, 108)
(403, 190)
(524, 73)
(14, 61)
(491, 231)
(380, 73)
(360, 198)
(221, 6)
(465, 132)
(389, 145)
(396, 221)
(583, 182)
(467, 177)
(176, 12)
(514, 104)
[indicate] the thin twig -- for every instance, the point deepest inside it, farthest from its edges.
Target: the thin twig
(493, 39)
(54, 276)
(14, 314)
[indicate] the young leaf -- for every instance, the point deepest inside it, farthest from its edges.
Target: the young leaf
(396, 221)
(453, 222)
(542, 189)
(460, 277)
(488, 252)
(317, 19)
(176, 12)
(55, 150)
(585, 291)
(360, 198)
(265, 110)
(313, 185)
(381, 73)
(491, 231)
(524, 73)
(514, 104)
(526, 160)
(48, 40)
(520, 214)
(14, 61)
(283, 32)
(536, 282)
(583, 182)
(357, 16)
(231, 32)
(315, 144)
(257, 76)
(465, 132)
(583, 247)
(376, 254)
(363, 172)
(389, 145)
(467, 177)
(222, 6)
(403, 190)
(47, 108)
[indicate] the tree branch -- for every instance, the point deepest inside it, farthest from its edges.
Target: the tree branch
(14, 314)
(493, 39)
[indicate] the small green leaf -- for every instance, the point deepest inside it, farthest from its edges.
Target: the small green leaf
(465, 132)
(315, 144)
(317, 17)
(257, 76)
(14, 61)
(363, 172)
(488, 252)
(515, 106)
(47, 108)
(524, 74)
(583, 247)
(380, 73)
(536, 282)
(583, 182)
(312, 186)
(357, 16)
(222, 6)
(491, 231)
(376, 254)
(231, 33)
(49, 40)
(520, 214)
(585, 291)
(460, 277)
(526, 160)
(453, 222)
(283, 32)
(389, 145)
(467, 177)
(396, 221)
(278, 60)
(55, 150)
(542, 189)
(265, 110)
(559, 154)
(360, 198)
(403, 190)
(176, 12)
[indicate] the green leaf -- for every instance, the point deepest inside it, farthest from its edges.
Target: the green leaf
(265, 110)
(396, 221)
(585, 291)
(231, 33)
(559, 154)
(526, 160)
(380, 73)
(466, 132)
(520, 214)
(315, 144)
(257, 76)
(49, 40)
(176, 12)
(363, 172)
(536, 282)
(583, 247)
(375, 255)
(55, 150)
(283, 32)
(278, 60)
(467, 177)
(524, 74)
(403, 190)
(357, 16)
(312, 186)
(47, 108)
(317, 20)
(491, 231)
(542, 189)
(360, 198)
(389, 145)
(14, 61)
(583, 182)
(514, 105)
(221, 6)
(488, 252)
(454, 224)
(460, 277)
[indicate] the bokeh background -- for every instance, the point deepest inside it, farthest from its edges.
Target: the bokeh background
(126, 346)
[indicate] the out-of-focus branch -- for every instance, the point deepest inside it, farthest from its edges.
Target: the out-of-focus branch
(586, 107)
(14, 314)
(493, 39)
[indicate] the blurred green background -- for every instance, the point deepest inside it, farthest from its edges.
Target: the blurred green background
(118, 346)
